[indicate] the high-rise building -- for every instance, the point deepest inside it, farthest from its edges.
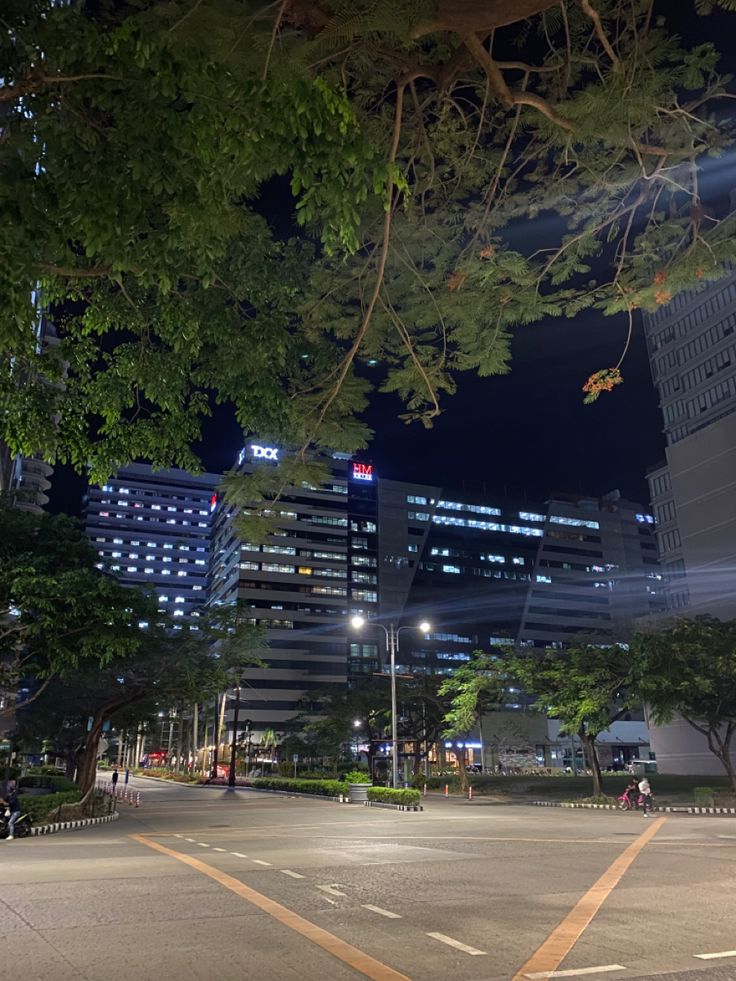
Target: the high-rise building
(153, 529)
(692, 350)
(320, 564)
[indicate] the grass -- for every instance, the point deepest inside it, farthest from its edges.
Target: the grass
(667, 788)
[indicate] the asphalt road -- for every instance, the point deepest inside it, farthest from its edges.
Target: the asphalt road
(202, 883)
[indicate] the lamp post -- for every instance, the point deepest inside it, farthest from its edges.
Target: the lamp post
(392, 643)
(231, 774)
(247, 747)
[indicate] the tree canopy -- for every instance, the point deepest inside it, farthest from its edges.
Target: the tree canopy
(689, 669)
(400, 150)
(587, 687)
(57, 610)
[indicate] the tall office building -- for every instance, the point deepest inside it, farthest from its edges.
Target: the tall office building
(489, 572)
(596, 571)
(153, 529)
(692, 350)
(318, 566)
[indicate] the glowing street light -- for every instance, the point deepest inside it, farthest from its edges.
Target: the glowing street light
(392, 644)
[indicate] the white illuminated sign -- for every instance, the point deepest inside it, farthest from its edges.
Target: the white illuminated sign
(264, 452)
(259, 452)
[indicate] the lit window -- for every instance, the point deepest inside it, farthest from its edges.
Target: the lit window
(531, 516)
(198, 561)
(166, 572)
(178, 613)
(305, 570)
(166, 558)
(168, 545)
(451, 568)
(540, 578)
(155, 507)
(557, 519)
(132, 568)
(181, 572)
(179, 599)
(117, 541)
(116, 555)
(518, 560)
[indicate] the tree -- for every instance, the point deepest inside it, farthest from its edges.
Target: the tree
(329, 724)
(689, 669)
(421, 714)
(168, 667)
(141, 141)
(473, 688)
(586, 686)
(58, 612)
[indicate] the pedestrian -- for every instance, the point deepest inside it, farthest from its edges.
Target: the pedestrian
(114, 778)
(645, 798)
(12, 804)
(127, 776)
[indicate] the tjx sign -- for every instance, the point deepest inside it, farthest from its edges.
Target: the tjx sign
(259, 452)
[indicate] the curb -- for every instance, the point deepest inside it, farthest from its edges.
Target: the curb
(393, 807)
(615, 807)
(52, 829)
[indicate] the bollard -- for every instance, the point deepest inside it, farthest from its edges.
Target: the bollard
(137, 799)
(447, 791)
(470, 792)
(424, 791)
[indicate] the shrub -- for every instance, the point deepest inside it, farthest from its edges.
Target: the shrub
(323, 788)
(387, 795)
(704, 796)
(53, 782)
(40, 808)
(356, 776)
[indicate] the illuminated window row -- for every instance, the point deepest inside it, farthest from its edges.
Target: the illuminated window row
(558, 519)
(442, 519)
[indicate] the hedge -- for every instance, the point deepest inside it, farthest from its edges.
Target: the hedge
(387, 795)
(323, 788)
(39, 808)
(53, 782)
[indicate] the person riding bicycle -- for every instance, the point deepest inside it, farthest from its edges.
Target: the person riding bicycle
(632, 789)
(645, 798)
(12, 804)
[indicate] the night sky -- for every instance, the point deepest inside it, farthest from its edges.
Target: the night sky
(528, 433)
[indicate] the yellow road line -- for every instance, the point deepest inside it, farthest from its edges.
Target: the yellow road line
(563, 938)
(343, 951)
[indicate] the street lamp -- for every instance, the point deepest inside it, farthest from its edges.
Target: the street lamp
(231, 774)
(392, 643)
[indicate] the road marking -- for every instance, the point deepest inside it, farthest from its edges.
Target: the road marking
(239, 854)
(577, 973)
(345, 952)
(192, 840)
(178, 836)
(712, 957)
(294, 875)
(258, 861)
(563, 938)
(202, 844)
(456, 943)
(383, 912)
(332, 890)
(219, 849)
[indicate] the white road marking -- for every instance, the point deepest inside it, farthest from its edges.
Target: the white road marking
(258, 861)
(239, 854)
(294, 875)
(178, 836)
(193, 840)
(332, 890)
(219, 849)
(712, 957)
(383, 912)
(455, 943)
(202, 844)
(578, 973)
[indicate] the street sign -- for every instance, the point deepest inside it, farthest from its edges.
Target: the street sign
(295, 758)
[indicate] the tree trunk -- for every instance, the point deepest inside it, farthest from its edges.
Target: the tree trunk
(87, 764)
(591, 753)
(462, 755)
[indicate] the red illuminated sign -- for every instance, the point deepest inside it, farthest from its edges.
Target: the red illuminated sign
(213, 502)
(362, 471)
